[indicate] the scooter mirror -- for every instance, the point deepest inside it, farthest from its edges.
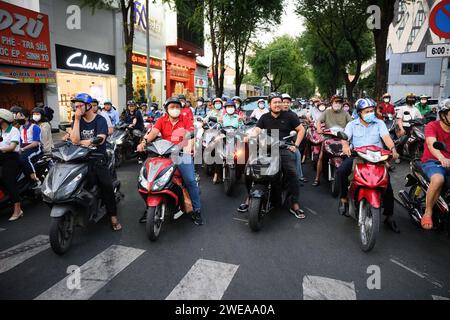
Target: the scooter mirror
(62, 127)
(213, 119)
(96, 140)
(342, 135)
(439, 146)
(189, 135)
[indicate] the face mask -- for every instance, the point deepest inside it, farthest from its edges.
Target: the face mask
(424, 101)
(322, 108)
(387, 100)
(337, 107)
(36, 117)
(174, 113)
(21, 122)
(261, 105)
(199, 104)
(410, 102)
(238, 105)
(230, 110)
(369, 117)
(183, 104)
(218, 106)
(346, 108)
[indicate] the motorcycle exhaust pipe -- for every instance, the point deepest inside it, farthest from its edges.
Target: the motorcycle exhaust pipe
(406, 200)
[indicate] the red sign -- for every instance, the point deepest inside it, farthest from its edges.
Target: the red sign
(440, 19)
(29, 75)
(24, 37)
(141, 60)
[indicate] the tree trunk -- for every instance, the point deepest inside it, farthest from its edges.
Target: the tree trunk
(128, 32)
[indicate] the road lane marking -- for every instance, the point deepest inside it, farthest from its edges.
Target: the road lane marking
(243, 220)
(320, 288)
(417, 273)
(311, 210)
(95, 274)
(1, 229)
(439, 298)
(14, 256)
(206, 280)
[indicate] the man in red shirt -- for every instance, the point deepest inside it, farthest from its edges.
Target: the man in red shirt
(385, 107)
(173, 127)
(186, 111)
(438, 130)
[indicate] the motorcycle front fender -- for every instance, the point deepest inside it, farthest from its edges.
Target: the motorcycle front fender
(60, 210)
(154, 200)
(258, 192)
(372, 196)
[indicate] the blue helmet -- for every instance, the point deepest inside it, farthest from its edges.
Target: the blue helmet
(364, 103)
(83, 97)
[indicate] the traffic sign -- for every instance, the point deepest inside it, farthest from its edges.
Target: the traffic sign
(438, 50)
(440, 19)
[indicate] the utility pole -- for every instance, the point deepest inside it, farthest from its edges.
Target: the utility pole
(147, 43)
(444, 78)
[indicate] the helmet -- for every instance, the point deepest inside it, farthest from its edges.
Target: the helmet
(274, 95)
(181, 97)
(410, 95)
(6, 115)
(364, 103)
(423, 96)
(217, 100)
(261, 100)
(94, 101)
(237, 98)
(154, 105)
(336, 98)
(83, 97)
(386, 95)
(229, 103)
(107, 102)
(172, 100)
(131, 102)
(200, 99)
(40, 111)
(286, 96)
(16, 109)
(445, 106)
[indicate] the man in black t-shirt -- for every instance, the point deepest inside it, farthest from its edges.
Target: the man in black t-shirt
(284, 123)
(87, 125)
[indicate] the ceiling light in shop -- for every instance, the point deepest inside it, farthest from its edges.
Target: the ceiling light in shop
(181, 49)
(189, 51)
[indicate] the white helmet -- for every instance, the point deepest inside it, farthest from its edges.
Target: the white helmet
(6, 115)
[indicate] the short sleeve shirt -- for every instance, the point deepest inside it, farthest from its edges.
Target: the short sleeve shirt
(89, 130)
(285, 123)
(335, 119)
(360, 136)
(10, 135)
(434, 129)
(29, 133)
(174, 133)
(414, 113)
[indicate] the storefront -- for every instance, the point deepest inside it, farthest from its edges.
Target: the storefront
(83, 71)
(180, 71)
(201, 80)
(140, 78)
(24, 55)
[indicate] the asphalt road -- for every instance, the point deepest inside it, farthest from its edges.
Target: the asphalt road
(315, 258)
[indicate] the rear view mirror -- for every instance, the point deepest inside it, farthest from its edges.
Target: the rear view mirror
(439, 146)
(96, 140)
(213, 119)
(342, 135)
(63, 127)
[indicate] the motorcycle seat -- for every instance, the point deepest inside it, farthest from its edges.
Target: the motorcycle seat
(417, 166)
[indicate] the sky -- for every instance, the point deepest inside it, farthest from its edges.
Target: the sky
(291, 24)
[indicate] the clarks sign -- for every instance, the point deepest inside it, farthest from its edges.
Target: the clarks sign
(84, 60)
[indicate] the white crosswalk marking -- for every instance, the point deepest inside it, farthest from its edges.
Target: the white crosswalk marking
(14, 256)
(1, 229)
(439, 298)
(206, 280)
(320, 288)
(95, 274)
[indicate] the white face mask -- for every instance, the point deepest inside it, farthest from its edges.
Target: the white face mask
(423, 101)
(199, 103)
(261, 105)
(230, 110)
(174, 113)
(36, 117)
(387, 100)
(337, 107)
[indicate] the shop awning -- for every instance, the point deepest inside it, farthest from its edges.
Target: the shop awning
(7, 80)
(23, 75)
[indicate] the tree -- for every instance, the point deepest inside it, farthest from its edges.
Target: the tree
(288, 66)
(127, 8)
(341, 27)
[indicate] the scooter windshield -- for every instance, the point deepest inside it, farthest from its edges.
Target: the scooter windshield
(161, 147)
(70, 152)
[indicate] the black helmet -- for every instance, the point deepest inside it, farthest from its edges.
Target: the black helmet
(274, 95)
(16, 109)
(181, 97)
(172, 100)
(94, 101)
(201, 99)
(40, 111)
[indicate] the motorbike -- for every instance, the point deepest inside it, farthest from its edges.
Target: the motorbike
(264, 172)
(314, 140)
(414, 197)
(370, 179)
(333, 152)
(211, 131)
(161, 187)
(73, 201)
(389, 121)
(124, 143)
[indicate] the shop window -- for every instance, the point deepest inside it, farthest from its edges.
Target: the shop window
(413, 68)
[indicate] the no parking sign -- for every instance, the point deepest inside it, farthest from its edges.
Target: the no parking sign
(440, 19)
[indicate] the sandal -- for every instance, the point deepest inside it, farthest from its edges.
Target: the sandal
(426, 222)
(316, 183)
(116, 226)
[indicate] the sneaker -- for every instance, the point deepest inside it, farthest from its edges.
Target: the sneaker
(177, 215)
(343, 208)
(140, 161)
(243, 208)
(196, 216)
(299, 213)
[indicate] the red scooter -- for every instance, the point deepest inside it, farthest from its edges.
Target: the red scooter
(370, 179)
(333, 152)
(161, 187)
(315, 140)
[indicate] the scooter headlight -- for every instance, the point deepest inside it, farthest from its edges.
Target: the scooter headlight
(162, 181)
(143, 182)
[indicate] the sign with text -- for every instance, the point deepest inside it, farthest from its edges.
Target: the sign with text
(83, 60)
(24, 37)
(438, 50)
(141, 60)
(29, 75)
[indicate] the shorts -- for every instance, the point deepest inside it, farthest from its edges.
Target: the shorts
(431, 167)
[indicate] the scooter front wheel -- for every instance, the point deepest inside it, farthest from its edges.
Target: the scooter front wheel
(230, 180)
(61, 233)
(254, 214)
(334, 185)
(369, 226)
(154, 222)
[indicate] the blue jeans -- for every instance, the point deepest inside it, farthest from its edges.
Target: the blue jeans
(186, 167)
(298, 163)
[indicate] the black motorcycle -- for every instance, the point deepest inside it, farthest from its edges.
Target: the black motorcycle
(414, 197)
(124, 142)
(264, 171)
(72, 199)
